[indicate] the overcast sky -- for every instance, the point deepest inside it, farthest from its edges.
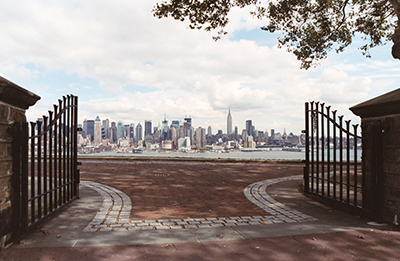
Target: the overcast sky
(124, 64)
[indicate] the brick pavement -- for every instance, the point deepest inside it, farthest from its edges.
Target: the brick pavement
(185, 190)
(115, 211)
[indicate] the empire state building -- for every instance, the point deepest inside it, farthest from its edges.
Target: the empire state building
(229, 123)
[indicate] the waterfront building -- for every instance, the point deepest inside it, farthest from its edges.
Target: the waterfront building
(139, 132)
(97, 131)
(167, 145)
(147, 128)
(229, 123)
(184, 143)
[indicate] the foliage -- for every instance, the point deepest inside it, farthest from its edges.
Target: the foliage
(309, 29)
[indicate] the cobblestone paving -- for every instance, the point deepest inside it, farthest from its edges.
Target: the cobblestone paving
(114, 214)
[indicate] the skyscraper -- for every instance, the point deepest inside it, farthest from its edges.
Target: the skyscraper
(139, 132)
(249, 127)
(229, 123)
(200, 138)
(120, 130)
(165, 129)
(186, 126)
(90, 129)
(105, 127)
(147, 128)
(209, 131)
(97, 131)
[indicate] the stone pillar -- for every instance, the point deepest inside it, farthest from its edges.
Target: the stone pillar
(380, 123)
(14, 100)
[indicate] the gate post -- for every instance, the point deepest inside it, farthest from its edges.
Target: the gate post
(14, 101)
(307, 167)
(380, 124)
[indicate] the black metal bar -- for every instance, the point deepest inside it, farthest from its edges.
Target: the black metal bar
(322, 150)
(341, 158)
(33, 125)
(348, 160)
(334, 153)
(307, 167)
(68, 140)
(24, 176)
(45, 162)
(50, 129)
(60, 155)
(312, 146)
(355, 164)
(317, 146)
(55, 155)
(75, 132)
(328, 170)
(39, 168)
(16, 181)
(64, 151)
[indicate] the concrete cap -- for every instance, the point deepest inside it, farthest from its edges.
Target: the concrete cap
(386, 104)
(15, 95)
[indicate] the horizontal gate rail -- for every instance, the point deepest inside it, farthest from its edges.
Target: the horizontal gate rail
(333, 165)
(46, 174)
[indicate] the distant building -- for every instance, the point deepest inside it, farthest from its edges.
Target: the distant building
(147, 128)
(229, 123)
(120, 130)
(200, 138)
(97, 131)
(249, 127)
(184, 143)
(139, 132)
(209, 131)
(186, 126)
(167, 145)
(90, 129)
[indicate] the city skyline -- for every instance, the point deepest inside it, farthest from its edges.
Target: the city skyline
(149, 127)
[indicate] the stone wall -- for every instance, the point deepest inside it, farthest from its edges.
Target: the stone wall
(14, 100)
(381, 155)
(8, 115)
(385, 174)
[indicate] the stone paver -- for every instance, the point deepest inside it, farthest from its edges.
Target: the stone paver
(114, 213)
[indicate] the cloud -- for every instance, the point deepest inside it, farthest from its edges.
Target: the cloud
(140, 67)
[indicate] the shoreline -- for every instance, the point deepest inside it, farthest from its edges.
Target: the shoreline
(191, 159)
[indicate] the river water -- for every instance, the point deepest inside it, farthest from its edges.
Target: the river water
(257, 155)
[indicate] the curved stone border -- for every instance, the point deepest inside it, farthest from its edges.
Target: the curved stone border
(257, 193)
(115, 211)
(116, 208)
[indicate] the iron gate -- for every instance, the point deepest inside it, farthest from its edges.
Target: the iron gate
(45, 174)
(333, 162)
